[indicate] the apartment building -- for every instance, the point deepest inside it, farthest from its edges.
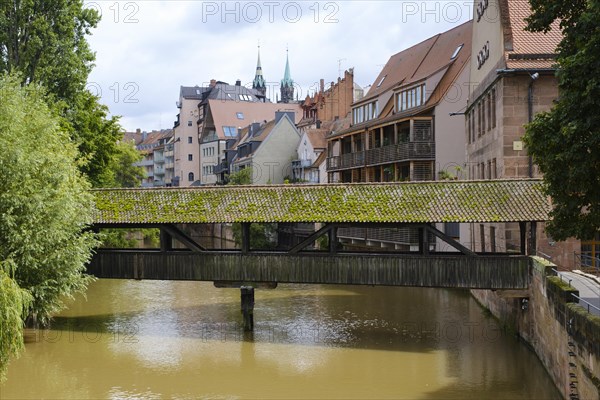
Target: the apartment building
(405, 128)
(513, 78)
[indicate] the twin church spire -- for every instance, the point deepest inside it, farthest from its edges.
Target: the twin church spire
(287, 84)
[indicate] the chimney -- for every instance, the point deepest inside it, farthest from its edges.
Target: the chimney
(213, 83)
(254, 128)
(238, 83)
(322, 85)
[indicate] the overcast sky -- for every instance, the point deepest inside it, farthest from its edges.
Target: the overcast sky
(145, 50)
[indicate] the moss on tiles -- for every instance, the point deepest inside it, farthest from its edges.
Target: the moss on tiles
(408, 202)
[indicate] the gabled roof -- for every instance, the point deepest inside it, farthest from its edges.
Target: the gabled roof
(317, 138)
(192, 92)
(415, 202)
(320, 160)
(259, 135)
(224, 113)
(225, 92)
(524, 49)
(424, 59)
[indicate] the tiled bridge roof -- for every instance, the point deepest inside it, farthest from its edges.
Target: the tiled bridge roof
(414, 202)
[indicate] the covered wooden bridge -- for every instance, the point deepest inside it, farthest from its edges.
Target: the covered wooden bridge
(332, 206)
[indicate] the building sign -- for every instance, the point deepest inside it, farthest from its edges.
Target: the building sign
(483, 55)
(481, 7)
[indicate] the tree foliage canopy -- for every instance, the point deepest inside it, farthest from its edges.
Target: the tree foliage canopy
(45, 203)
(14, 304)
(565, 142)
(45, 42)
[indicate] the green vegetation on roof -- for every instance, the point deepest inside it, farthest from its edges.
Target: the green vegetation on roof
(414, 202)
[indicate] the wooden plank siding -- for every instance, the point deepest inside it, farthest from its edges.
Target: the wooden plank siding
(442, 271)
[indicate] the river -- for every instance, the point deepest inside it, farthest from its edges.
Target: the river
(183, 340)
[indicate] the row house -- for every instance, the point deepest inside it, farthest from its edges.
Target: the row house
(323, 112)
(513, 74)
(405, 117)
(406, 129)
(310, 166)
(186, 152)
(331, 104)
(221, 113)
(267, 148)
(152, 147)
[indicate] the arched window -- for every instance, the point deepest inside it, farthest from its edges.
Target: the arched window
(191, 177)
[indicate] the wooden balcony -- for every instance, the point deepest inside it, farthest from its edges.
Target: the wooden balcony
(383, 155)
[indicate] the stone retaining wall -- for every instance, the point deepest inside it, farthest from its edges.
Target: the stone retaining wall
(564, 336)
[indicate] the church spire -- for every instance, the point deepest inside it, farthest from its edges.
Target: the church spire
(287, 84)
(259, 81)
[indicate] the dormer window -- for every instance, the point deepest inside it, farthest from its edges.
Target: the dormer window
(460, 46)
(410, 98)
(365, 112)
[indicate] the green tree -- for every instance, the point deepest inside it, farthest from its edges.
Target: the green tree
(242, 177)
(96, 136)
(45, 41)
(14, 304)
(125, 173)
(45, 203)
(565, 142)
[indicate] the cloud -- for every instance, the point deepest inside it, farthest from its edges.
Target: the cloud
(145, 50)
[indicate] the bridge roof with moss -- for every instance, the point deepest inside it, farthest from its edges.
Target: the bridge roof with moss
(415, 202)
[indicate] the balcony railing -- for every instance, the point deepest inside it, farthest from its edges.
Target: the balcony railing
(158, 159)
(404, 235)
(301, 163)
(144, 163)
(383, 155)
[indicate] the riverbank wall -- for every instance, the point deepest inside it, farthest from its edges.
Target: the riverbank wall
(562, 333)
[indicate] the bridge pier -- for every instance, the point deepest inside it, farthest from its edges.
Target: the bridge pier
(247, 300)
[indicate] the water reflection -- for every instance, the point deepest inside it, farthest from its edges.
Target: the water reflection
(185, 340)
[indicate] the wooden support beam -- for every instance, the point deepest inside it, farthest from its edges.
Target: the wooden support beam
(423, 240)
(182, 237)
(333, 241)
(311, 238)
(523, 234)
(166, 241)
(533, 243)
(245, 237)
(513, 294)
(239, 284)
(449, 240)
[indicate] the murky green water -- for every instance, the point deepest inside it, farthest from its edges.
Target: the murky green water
(183, 340)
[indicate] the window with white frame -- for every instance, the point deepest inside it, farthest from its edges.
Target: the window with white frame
(229, 131)
(410, 98)
(365, 112)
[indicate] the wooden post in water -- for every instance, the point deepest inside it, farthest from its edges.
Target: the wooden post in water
(247, 293)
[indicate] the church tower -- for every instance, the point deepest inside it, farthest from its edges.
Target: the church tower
(287, 84)
(259, 81)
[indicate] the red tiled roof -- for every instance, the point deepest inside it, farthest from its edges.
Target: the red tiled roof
(534, 48)
(424, 59)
